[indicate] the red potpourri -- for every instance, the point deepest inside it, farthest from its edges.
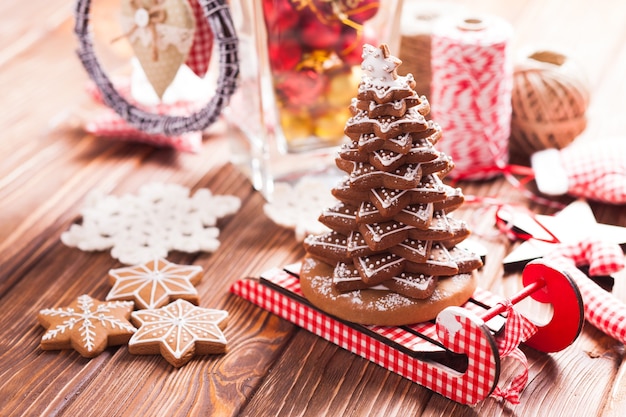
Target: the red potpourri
(314, 49)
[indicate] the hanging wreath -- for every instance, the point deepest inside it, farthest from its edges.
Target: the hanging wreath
(218, 15)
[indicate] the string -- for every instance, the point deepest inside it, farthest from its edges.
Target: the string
(517, 329)
(471, 92)
(510, 230)
(509, 171)
(507, 227)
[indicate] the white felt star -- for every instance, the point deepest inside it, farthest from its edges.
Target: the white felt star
(155, 283)
(574, 223)
(178, 331)
(142, 227)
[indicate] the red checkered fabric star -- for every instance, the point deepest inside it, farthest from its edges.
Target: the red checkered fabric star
(108, 124)
(516, 330)
(602, 309)
(200, 53)
(596, 171)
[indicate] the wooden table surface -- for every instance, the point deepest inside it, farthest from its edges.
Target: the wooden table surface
(48, 166)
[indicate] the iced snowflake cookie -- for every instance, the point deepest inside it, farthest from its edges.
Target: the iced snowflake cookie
(88, 326)
(159, 219)
(155, 283)
(297, 206)
(178, 332)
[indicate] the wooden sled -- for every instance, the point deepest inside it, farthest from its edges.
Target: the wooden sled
(455, 356)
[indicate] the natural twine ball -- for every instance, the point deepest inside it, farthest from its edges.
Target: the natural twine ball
(549, 100)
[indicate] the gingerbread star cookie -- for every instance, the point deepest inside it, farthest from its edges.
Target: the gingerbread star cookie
(155, 283)
(88, 326)
(178, 331)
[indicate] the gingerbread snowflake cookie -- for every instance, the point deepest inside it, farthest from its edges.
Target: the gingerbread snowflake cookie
(88, 326)
(179, 331)
(160, 218)
(154, 284)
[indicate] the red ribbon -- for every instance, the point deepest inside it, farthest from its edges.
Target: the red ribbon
(508, 228)
(517, 329)
(509, 171)
(602, 309)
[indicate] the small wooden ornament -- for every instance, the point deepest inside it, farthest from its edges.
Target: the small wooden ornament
(574, 223)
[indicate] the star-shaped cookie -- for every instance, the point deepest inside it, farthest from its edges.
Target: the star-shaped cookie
(155, 283)
(88, 326)
(178, 332)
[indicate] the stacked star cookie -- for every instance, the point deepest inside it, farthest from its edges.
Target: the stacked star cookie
(391, 256)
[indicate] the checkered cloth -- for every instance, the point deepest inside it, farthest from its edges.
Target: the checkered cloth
(596, 170)
(602, 309)
(108, 124)
(200, 53)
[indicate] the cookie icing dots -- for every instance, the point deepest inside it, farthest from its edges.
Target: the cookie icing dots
(179, 331)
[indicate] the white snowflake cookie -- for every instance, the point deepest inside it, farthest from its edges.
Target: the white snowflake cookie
(298, 206)
(159, 219)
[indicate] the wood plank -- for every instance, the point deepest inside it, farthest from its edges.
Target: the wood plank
(253, 333)
(271, 368)
(86, 273)
(314, 377)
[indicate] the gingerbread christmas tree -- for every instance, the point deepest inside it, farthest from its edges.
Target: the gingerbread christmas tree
(391, 256)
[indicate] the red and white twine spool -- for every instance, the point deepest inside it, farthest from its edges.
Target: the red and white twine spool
(471, 93)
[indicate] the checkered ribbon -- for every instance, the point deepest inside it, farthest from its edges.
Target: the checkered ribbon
(109, 124)
(602, 309)
(200, 53)
(516, 330)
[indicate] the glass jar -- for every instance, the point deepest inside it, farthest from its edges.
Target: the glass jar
(300, 68)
